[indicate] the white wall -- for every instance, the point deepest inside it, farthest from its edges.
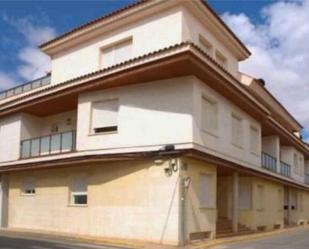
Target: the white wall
(155, 113)
(153, 33)
(192, 28)
(287, 156)
(10, 128)
(221, 143)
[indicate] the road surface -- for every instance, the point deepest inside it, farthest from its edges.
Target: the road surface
(297, 239)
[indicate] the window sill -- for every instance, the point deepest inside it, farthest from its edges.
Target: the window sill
(103, 133)
(78, 205)
(238, 146)
(214, 134)
(207, 208)
(27, 195)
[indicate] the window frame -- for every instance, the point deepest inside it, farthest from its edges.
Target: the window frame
(112, 46)
(214, 132)
(204, 43)
(23, 189)
(212, 203)
(241, 133)
(221, 59)
(107, 129)
(257, 149)
(73, 193)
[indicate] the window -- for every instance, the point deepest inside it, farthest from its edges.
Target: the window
(79, 195)
(28, 187)
(300, 202)
(245, 195)
(301, 166)
(254, 139)
(260, 197)
(206, 195)
(221, 59)
(116, 53)
(205, 45)
(295, 162)
(104, 116)
(237, 131)
(209, 116)
(280, 199)
(294, 203)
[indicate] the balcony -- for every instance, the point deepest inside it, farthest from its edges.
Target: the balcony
(48, 145)
(285, 169)
(25, 87)
(269, 162)
(307, 178)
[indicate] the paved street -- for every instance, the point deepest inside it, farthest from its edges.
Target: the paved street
(22, 243)
(298, 239)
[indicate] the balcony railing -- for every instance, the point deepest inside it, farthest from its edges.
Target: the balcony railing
(25, 87)
(307, 178)
(48, 145)
(285, 169)
(269, 162)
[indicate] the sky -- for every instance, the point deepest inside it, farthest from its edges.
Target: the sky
(276, 32)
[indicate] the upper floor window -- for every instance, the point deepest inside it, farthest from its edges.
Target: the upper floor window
(104, 116)
(221, 59)
(116, 53)
(295, 162)
(79, 191)
(205, 45)
(209, 116)
(237, 131)
(254, 139)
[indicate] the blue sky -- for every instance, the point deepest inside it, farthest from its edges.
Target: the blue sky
(25, 24)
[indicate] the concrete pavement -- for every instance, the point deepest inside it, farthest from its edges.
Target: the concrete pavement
(296, 239)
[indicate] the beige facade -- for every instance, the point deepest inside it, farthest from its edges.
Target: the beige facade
(151, 134)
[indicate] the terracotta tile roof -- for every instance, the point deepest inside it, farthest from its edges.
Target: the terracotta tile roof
(133, 60)
(137, 3)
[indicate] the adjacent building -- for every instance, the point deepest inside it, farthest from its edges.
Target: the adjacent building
(146, 130)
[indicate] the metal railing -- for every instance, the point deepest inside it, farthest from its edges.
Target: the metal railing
(307, 178)
(47, 145)
(44, 81)
(269, 162)
(285, 169)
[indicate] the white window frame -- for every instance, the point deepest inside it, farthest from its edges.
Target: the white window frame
(245, 191)
(74, 193)
(209, 197)
(113, 46)
(239, 140)
(215, 105)
(295, 163)
(206, 46)
(260, 205)
(221, 59)
(28, 191)
(108, 129)
(255, 150)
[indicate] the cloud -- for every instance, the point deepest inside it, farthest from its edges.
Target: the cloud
(6, 81)
(280, 53)
(32, 63)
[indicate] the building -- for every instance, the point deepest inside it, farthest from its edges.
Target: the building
(146, 130)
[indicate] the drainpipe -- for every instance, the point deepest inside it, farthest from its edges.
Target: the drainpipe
(184, 183)
(181, 210)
